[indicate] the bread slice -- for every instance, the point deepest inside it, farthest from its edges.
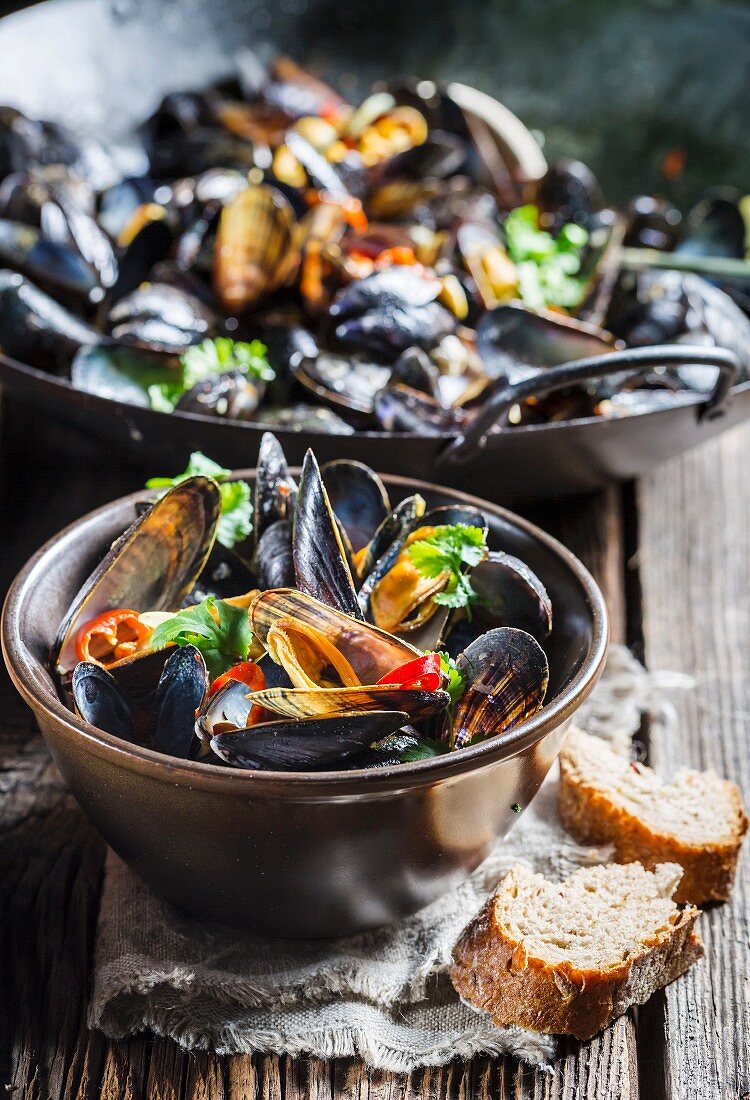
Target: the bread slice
(697, 820)
(571, 957)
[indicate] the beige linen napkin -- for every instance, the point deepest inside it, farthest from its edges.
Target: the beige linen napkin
(384, 996)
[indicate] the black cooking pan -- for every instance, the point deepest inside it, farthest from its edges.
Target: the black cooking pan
(102, 65)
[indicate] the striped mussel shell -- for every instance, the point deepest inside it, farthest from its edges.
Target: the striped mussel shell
(255, 251)
(507, 674)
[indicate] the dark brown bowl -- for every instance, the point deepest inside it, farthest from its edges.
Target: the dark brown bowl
(300, 854)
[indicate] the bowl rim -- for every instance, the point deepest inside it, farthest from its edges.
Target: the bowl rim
(97, 402)
(42, 697)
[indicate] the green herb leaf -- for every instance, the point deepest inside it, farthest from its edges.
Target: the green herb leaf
(451, 549)
(222, 643)
(456, 684)
(224, 354)
(210, 357)
(236, 520)
(425, 749)
(548, 267)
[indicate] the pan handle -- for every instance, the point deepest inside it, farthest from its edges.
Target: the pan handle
(468, 445)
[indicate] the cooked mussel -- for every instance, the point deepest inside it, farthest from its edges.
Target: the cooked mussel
(307, 743)
(507, 674)
(509, 593)
(35, 328)
(370, 652)
(152, 566)
(274, 560)
(151, 699)
(255, 251)
(395, 595)
(358, 498)
(350, 383)
(321, 563)
(394, 526)
(514, 342)
(275, 488)
(160, 318)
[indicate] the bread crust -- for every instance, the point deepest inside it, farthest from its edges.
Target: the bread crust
(590, 813)
(496, 974)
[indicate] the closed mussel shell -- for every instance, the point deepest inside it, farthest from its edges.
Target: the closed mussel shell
(101, 702)
(307, 744)
(179, 695)
(255, 250)
(506, 673)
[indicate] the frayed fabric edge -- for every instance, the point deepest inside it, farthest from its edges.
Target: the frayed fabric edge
(533, 1048)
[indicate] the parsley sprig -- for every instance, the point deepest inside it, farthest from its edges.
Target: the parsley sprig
(451, 549)
(456, 681)
(235, 522)
(200, 361)
(218, 629)
(548, 267)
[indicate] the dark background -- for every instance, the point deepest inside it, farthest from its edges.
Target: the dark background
(619, 83)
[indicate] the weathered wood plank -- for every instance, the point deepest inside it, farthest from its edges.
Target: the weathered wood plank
(695, 574)
(50, 863)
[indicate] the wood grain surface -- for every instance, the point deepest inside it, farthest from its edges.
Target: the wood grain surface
(692, 558)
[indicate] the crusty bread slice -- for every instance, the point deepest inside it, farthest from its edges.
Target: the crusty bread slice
(697, 820)
(571, 957)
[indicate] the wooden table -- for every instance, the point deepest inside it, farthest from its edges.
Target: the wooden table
(673, 557)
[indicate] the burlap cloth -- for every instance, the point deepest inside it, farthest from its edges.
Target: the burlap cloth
(385, 995)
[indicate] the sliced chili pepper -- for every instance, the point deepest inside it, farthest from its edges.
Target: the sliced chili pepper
(421, 674)
(247, 672)
(111, 636)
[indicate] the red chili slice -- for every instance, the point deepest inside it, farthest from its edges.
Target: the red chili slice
(247, 672)
(111, 636)
(421, 674)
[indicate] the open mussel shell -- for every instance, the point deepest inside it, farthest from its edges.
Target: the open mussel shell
(152, 566)
(371, 652)
(233, 395)
(275, 489)
(346, 382)
(305, 744)
(407, 594)
(515, 343)
(358, 498)
(255, 249)
(324, 702)
(399, 408)
(507, 674)
(320, 558)
(395, 526)
(511, 594)
(120, 373)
